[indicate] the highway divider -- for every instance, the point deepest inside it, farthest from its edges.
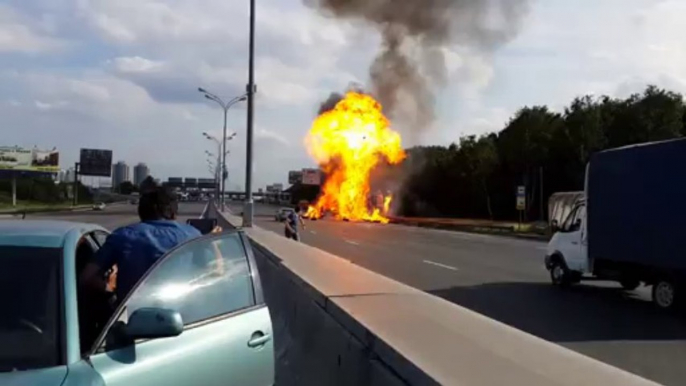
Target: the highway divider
(526, 230)
(337, 323)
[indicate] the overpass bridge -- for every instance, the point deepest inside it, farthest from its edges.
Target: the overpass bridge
(266, 197)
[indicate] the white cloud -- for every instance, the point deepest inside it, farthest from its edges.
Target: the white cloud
(264, 133)
(136, 64)
(19, 34)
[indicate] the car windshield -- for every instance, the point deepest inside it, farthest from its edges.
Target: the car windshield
(29, 299)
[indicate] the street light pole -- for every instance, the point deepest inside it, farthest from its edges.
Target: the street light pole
(248, 208)
(225, 106)
(223, 159)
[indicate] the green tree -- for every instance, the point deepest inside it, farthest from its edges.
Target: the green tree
(536, 144)
(126, 187)
(482, 158)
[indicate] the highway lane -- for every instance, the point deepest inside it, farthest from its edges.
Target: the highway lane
(117, 215)
(504, 278)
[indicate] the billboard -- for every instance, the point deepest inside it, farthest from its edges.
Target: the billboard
(311, 177)
(95, 162)
(19, 158)
(294, 176)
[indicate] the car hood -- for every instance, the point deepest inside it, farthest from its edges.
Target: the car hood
(53, 376)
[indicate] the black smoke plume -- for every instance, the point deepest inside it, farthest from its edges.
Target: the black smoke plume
(410, 64)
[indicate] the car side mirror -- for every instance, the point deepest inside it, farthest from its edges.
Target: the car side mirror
(148, 323)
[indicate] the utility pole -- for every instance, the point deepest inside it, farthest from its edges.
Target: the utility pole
(76, 184)
(225, 106)
(542, 198)
(251, 88)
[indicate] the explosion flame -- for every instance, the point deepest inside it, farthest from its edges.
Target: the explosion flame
(348, 142)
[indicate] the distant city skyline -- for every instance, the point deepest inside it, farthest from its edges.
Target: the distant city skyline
(140, 173)
(120, 173)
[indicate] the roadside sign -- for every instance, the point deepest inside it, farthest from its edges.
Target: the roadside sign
(521, 203)
(311, 177)
(521, 197)
(21, 159)
(95, 162)
(295, 176)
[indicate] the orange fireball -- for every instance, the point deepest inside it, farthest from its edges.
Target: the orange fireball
(348, 142)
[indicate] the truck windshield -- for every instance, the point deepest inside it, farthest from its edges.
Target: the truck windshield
(30, 301)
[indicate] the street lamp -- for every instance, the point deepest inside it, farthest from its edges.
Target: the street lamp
(225, 106)
(251, 88)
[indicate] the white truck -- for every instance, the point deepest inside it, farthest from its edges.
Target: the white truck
(630, 227)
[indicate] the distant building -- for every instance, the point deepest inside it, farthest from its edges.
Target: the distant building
(140, 173)
(120, 173)
(66, 175)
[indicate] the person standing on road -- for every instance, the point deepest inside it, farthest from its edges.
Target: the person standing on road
(291, 224)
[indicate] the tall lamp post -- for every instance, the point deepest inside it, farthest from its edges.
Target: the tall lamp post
(214, 169)
(250, 90)
(225, 106)
(221, 169)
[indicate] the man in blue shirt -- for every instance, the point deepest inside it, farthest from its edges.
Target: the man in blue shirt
(133, 249)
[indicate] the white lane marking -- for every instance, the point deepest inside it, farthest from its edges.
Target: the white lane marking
(352, 242)
(440, 265)
(313, 232)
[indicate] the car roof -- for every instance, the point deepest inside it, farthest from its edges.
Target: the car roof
(39, 233)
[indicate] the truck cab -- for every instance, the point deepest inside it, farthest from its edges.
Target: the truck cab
(567, 252)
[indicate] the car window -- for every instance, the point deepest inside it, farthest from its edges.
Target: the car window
(30, 302)
(571, 218)
(205, 278)
(99, 237)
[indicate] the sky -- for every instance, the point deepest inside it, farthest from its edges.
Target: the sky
(123, 75)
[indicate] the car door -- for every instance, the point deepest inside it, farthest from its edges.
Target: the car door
(227, 338)
(570, 245)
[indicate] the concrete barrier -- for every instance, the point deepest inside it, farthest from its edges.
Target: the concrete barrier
(337, 323)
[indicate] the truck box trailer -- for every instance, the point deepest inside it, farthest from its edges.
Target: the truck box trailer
(631, 225)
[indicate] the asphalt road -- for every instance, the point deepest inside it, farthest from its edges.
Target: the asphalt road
(504, 279)
(117, 215)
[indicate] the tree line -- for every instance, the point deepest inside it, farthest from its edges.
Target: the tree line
(41, 190)
(543, 150)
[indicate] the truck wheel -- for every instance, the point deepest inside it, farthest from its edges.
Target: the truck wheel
(559, 274)
(665, 294)
(629, 284)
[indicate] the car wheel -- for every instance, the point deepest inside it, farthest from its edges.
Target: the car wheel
(559, 274)
(665, 294)
(629, 284)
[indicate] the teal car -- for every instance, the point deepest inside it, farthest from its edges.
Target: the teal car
(197, 317)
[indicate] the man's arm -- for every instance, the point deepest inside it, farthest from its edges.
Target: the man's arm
(105, 258)
(302, 222)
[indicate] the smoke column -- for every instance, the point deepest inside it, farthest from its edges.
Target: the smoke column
(410, 64)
